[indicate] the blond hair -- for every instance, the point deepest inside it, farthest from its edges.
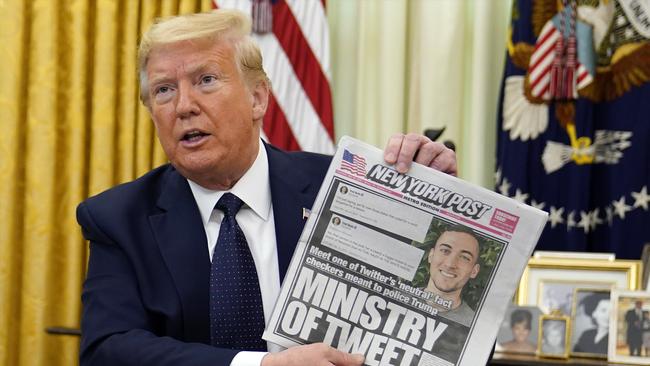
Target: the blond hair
(232, 25)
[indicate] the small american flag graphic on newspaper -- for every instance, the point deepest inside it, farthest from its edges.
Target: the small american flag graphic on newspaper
(353, 163)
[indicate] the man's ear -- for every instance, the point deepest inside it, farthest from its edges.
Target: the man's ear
(475, 270)
(260, 99)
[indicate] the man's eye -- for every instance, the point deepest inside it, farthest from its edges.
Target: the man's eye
(162, 90)
(208, 79)
(465, 258)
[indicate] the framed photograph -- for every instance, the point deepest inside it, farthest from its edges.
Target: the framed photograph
(590, 322)
(549, 282)
(557, 295)
(553, 339)
(519, 329)
(629, 324)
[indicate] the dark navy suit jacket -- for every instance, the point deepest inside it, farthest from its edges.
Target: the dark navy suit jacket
(146, 292)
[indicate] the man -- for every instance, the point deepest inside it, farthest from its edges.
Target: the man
(156, 244)
(453, 260)
(634, 320)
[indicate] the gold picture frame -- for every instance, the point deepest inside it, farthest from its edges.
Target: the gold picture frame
(553, 338)
(625, 274)
(585, 327)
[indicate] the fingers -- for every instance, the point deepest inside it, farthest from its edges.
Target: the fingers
(401, 150)
(340, 358)
(444, 160)
(392, 148)
(314, 355)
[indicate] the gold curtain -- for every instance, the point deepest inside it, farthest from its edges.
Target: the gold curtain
(70, 126)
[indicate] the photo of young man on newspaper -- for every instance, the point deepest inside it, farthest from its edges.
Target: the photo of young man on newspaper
(453, 260)
(454, 274)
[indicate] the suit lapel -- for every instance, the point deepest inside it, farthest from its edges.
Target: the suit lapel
(291, 191)
(182, 242)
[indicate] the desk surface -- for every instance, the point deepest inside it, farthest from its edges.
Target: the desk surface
(500, 359)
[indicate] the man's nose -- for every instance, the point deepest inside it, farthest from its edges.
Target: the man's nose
(186, 105)
(451, 261)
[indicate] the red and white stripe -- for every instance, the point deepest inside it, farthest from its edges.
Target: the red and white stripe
(541, 62)
(296, 59)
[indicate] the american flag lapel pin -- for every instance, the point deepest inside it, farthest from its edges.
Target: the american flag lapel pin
(305, 213)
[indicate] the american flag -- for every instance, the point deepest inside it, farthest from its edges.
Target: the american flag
(296, 59)
(541, 62)
(353, 163)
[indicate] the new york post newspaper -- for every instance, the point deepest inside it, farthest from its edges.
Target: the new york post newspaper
(407, 269)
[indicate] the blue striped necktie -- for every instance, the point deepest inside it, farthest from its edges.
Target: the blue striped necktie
(236, 313)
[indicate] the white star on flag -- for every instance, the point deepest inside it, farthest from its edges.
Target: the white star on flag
(595, 219)
(641, 198)
(570, 220)
(520, 196)
(610, 215)
(504, 188)
(539, 206)
(620, 207)
(555, 216)
(585, 221)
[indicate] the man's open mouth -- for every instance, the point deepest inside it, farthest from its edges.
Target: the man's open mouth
(193, 136)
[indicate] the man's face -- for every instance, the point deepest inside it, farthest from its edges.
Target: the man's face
(453, 261)
(207, 119)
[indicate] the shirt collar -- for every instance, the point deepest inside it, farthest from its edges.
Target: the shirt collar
(253, 188)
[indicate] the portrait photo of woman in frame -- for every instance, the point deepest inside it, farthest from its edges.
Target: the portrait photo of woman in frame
(590, 323)
(518, 332)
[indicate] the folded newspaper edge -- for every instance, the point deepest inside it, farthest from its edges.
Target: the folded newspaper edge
(407, 269)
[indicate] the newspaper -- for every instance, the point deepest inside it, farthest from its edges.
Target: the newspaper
(407, 269)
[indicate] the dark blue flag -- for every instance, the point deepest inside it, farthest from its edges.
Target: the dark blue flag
(574, 121)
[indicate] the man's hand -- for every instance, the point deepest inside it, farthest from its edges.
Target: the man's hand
(317, 354)
(402, 149)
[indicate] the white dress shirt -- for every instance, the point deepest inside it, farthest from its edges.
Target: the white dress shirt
(256, 221)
